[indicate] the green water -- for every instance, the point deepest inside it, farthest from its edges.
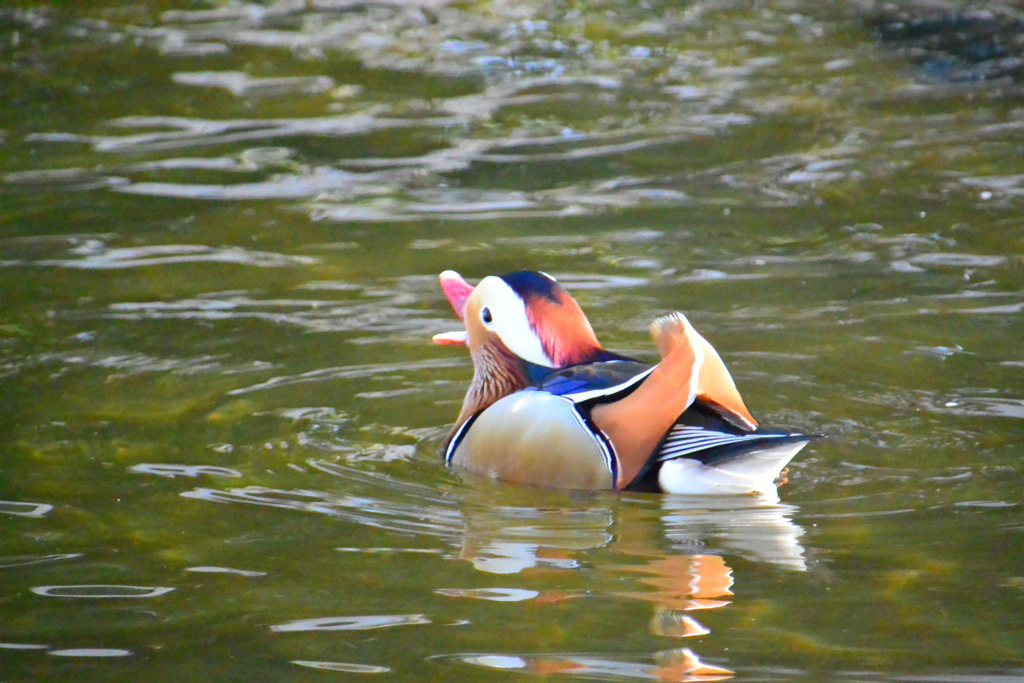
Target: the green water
(220, 230)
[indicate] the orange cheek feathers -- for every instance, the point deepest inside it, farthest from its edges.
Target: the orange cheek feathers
(564, 331)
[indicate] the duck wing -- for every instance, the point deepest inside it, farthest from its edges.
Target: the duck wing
(598, 381)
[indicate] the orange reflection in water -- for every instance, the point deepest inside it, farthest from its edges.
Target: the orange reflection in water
(684, 582)
(684, 665)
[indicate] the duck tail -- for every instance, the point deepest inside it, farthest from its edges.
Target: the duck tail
(736, 464)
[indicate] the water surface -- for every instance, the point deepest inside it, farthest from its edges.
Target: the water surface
(220, 229)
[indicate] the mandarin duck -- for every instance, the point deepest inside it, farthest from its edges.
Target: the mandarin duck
(548, 406)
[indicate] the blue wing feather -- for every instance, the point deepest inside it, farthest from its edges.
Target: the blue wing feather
(592, 377)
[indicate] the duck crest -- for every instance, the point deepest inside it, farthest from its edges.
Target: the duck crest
(558, 321)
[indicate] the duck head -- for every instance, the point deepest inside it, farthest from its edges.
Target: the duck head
(515, 325)
(527, 312)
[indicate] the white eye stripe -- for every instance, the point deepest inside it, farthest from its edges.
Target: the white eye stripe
(509, 320)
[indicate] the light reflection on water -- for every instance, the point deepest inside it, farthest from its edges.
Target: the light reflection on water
(22, 509)
(171, 471)
(224, 570)
(101, 591)
(346, 667)
(20, 561)
(90, 652)
(360, 623)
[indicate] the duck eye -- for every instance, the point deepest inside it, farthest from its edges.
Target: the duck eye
(486, 316)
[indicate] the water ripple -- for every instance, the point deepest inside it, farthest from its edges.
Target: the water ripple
(172, 471)
(352, 623)
(351, 372)
(417, 551)
(412, 517)
(345, 667)
(241, 84)
(224, 570)
(284, 186)
(975, 406)
(23, 646)
(90, 652)
(376, 312)
(952, 260)
(194, 132)
(493, 594)
(22, 560)
(129, 364)
(10, 507)
(95, 255)
(101, 591)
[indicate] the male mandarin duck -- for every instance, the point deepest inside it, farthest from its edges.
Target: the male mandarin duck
(549, 407)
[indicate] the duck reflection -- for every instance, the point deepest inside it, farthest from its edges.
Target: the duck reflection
(512, 538)
(544, 529)
(678, 546)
